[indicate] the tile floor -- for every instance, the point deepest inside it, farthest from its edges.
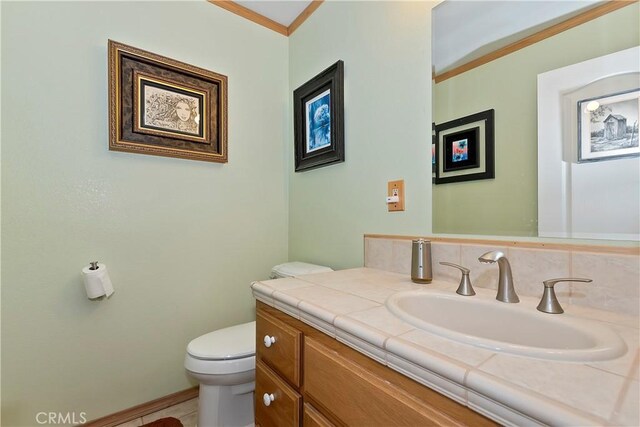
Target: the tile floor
(186, 412)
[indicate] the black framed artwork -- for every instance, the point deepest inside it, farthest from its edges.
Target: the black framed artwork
(464, 149)
(433, 152)
(318, 108)
(461, 150)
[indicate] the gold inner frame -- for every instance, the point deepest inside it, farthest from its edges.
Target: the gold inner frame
(139, 76)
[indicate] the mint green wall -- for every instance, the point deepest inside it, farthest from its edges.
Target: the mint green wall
(386, 51)
(182, 239)
(180, 256)
(508, 205)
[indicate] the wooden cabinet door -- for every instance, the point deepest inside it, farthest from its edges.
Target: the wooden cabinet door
(283, 354)
(312, 418)
(358, 397)
(284, 409)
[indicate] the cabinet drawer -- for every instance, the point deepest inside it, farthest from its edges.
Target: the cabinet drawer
(283, 355)
(312, 418)
(356, 396)
(284, 410)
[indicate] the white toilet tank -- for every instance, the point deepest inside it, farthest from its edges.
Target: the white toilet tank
(292, 269)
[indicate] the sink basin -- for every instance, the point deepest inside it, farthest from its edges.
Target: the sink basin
(519, 329)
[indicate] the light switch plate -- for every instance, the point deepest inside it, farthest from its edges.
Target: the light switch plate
(394, 187)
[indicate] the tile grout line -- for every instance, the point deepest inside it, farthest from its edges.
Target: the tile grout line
(468, 372)
(485, 361)
(626, 386)
(572, 287)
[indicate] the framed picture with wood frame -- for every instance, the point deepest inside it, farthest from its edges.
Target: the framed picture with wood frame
(164, 107)
(464, 149)
(318, 108)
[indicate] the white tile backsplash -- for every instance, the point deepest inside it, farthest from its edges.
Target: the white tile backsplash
(377, 253)
(401, 256)
(609, 270)
(530, 267)
(616, 277)
(616, 281)
(445, 252)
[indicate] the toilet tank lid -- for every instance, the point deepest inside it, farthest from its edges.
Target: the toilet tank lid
(297, 268)
(234, 342)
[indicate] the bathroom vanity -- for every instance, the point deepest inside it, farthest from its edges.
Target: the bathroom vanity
(329, 351)
(316, 379)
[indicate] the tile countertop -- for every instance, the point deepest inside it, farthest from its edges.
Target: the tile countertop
(512, 390)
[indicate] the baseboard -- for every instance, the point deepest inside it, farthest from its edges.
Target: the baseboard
(144, 409)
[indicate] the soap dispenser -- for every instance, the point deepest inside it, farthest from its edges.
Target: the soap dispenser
(421, 261)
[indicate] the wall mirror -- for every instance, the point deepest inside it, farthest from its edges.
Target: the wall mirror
(488, 55)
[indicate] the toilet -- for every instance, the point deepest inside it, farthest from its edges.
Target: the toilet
(224, 363)
(292, 269)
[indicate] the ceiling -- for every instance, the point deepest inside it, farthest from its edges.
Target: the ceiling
(463, 30)
(283, 12)
(466, 30)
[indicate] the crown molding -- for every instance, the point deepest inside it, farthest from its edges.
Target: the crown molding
(259, 19)
(596, 12)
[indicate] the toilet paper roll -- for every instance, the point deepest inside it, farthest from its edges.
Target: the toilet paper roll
(97, 282)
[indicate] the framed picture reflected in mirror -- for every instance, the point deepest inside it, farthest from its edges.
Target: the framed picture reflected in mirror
(464, 149)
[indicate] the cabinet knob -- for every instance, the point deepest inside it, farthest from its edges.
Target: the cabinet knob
(268, 398)
(269, 340)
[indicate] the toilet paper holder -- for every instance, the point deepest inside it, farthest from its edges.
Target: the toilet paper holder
(97, 282)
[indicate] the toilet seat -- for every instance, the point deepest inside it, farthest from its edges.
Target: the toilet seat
(225, 351)
(219, 367)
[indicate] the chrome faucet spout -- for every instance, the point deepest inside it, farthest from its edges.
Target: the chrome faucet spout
(506, 291)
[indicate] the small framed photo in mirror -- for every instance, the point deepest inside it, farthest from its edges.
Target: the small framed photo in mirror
(608, 126)
(433, 152)
(461, 150)
(464, 149)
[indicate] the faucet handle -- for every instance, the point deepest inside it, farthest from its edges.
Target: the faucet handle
(465, 287)
(464, 270)
(549, 303)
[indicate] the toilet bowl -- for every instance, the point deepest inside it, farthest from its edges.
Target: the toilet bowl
(224, 364)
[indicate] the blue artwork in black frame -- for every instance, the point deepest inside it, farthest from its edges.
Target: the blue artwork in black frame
(318, 118)
(318, 109)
